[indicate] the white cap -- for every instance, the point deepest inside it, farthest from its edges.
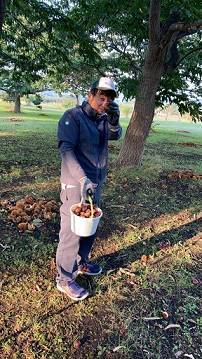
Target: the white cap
(105, 83)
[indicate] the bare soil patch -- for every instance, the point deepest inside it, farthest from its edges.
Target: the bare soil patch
(15, 119)
(189, 144)
(184, 175)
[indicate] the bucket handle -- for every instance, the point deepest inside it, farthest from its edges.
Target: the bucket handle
(90, 199)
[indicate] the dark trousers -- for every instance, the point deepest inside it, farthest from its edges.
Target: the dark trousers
(72, 250)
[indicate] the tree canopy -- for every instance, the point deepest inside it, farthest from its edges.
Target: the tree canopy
(120, 32)
(66, 38)
(41, 46)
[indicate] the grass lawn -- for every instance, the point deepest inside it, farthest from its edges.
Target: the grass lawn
(146, 303)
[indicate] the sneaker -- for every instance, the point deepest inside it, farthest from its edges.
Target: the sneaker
(73, 290)
(89, 269)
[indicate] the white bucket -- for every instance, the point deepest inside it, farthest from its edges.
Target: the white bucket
(82, 226)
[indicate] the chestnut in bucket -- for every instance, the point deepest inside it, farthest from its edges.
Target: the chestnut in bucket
(84, 210)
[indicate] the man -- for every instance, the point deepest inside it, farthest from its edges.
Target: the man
(83, 134)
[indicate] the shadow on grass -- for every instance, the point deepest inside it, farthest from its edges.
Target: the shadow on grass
(42, 319)
(126, 256)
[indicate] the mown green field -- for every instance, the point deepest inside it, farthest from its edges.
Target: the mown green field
(146, 302)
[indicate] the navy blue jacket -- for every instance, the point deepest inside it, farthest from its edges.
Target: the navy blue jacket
(83, 144)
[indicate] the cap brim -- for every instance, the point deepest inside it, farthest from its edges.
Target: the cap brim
(107, 89)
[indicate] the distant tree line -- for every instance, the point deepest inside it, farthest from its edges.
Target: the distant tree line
(151, 48)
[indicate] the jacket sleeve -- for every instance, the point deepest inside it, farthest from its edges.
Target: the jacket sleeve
(68, 137)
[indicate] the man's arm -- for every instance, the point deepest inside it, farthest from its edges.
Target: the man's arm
(68, 137)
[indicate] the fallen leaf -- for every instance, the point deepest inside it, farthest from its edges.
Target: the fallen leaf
(111, 271)
(131, 225)
(192, 321)
(172, 326)
(178, 354)
(38, 288)
(127, 271)
(4, 246)
(116, 349)
(157, 325)
(144, 259)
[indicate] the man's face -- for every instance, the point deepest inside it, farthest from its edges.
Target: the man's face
(99, 102)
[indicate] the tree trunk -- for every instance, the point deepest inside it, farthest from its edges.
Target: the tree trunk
(17, 104)
(143, 113)
(77, 100)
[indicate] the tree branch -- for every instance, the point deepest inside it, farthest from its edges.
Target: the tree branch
(124, 54)
(32, 32)
(154, 22)
(188, 53)
(180, 27)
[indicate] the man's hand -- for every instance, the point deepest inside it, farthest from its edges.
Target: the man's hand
(113, 113)
(86, 184)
